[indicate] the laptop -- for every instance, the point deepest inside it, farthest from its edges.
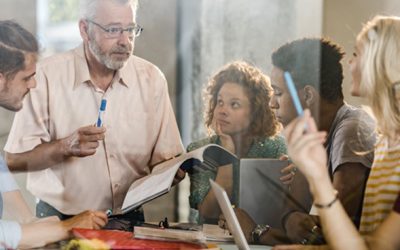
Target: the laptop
(264, 197)
(230, 216)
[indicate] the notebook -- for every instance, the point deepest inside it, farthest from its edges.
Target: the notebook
(264, 197)
(230, 217)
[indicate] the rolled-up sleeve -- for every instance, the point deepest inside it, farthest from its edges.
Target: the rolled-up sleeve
(10, 234)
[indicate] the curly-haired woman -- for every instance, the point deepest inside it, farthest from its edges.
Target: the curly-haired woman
(240, 119)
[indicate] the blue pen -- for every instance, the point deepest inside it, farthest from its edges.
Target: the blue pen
(103, 105)
(293, 93)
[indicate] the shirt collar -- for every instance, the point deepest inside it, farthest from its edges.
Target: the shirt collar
(123, 76)
(82, 74)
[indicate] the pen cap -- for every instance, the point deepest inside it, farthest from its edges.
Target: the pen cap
(103, 105)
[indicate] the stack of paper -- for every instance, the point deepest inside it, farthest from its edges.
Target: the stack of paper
(168, 234)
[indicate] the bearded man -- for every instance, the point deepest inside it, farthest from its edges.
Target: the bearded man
(73, 165)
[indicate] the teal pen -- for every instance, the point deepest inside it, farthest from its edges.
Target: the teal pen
(293, 93)
(295, 97)
(103, 105)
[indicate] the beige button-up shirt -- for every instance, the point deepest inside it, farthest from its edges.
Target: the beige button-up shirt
(140, 123)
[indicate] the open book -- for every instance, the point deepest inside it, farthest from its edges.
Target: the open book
(160, 180)
(168, 234)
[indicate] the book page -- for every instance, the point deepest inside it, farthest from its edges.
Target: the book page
(148, 188)
(162, 175)
(168, 234)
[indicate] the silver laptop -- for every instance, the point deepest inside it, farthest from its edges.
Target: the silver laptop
(264, 197)
(230, 216)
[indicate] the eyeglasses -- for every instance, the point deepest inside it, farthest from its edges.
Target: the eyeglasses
(116, 31)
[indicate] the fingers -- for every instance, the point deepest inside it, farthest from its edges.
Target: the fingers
(287, 179)
(222, 224)
(218, 128)
(101, 215)
(92, 138)
(91, 130)
(219, 131)
(284, 157)
(91, 133)
(179, 176)
(288, 168)
(99, 220)
(85, 149)
(84, 141)
(289, 173)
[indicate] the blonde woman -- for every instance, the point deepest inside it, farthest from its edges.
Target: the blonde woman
(375, 68)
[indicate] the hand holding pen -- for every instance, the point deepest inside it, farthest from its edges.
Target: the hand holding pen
(85, 140)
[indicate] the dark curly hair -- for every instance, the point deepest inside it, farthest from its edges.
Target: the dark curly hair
(258, 89)
(315, 62)
(15, 42)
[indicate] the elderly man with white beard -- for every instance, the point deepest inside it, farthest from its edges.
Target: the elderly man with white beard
(73, 165)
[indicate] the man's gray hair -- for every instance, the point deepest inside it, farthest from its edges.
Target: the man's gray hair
(88, 8)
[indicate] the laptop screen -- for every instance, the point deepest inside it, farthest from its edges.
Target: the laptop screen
(230, 216)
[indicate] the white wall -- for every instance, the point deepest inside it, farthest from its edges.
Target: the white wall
(343, 19)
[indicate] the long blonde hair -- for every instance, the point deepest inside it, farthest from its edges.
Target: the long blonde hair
(380, 70)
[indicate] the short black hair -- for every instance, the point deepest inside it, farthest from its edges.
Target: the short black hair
(15, 41)
(315, 62)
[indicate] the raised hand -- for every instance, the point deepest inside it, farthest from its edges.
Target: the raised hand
(226, 140)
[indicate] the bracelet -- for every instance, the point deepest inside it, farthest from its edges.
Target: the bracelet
(322, 206)
(258, 231)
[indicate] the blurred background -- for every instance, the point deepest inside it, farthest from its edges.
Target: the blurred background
(189, 40)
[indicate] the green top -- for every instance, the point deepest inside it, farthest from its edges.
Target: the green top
(271, 147)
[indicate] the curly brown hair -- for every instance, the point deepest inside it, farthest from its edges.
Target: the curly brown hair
(258, 89)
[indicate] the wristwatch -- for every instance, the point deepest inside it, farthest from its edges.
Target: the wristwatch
(258, 231)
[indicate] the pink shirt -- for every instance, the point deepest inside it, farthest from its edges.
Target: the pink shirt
(140, 123)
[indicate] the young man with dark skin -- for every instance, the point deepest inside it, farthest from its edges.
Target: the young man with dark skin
(317, 72)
